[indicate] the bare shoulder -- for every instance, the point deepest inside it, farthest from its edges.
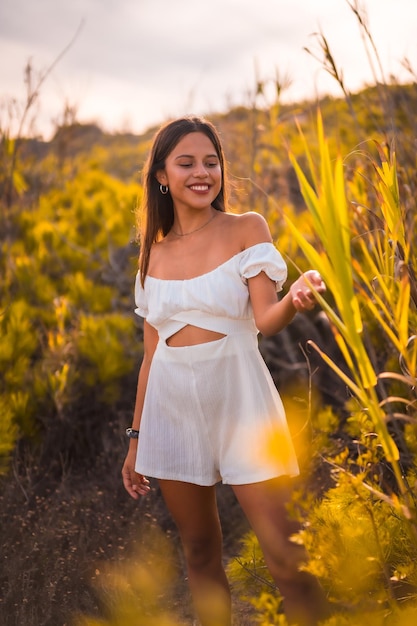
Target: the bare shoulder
(159, 252)
(248, 228)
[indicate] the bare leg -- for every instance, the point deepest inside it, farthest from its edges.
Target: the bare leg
(194, 510)
(265, 507)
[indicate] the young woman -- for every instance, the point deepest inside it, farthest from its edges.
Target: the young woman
(206, 404)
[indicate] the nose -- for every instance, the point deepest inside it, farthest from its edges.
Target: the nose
(200, 170)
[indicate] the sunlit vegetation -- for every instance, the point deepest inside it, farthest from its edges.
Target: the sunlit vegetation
(336, 181)
(361, 534)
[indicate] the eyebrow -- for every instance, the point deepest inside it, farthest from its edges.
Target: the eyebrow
(191, 156)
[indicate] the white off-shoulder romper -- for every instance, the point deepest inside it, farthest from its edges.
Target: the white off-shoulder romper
(211, 409)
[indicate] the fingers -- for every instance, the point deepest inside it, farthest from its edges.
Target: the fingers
(303, 298)
(316, 280)
(135, 484)
(141, 486)
(128, 484)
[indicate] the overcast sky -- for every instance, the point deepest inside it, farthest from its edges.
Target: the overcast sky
(135, 63)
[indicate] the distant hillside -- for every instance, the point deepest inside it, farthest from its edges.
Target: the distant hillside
(255, 139)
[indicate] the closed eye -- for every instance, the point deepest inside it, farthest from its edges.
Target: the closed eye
(208, 165)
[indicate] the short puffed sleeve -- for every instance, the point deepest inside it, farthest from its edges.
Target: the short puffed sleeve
(263, 257)
(140, 298)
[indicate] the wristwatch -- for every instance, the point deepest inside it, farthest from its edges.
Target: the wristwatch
(132, 433)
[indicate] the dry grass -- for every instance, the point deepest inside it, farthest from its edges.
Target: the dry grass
(58, 537)
(65, 518)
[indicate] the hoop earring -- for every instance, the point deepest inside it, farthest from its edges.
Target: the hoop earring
(163, 189)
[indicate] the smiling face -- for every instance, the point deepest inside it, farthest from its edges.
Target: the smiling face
(192, 172)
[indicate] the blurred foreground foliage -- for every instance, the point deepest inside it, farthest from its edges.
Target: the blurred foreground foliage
(360, 528)
(344, 199)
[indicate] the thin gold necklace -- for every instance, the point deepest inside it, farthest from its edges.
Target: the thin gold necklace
(196, 229)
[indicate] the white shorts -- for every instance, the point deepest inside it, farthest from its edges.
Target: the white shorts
(210, 414)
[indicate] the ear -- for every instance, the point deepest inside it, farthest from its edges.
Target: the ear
(161, 177)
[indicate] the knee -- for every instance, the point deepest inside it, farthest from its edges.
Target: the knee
(291, 579)
(285, 564)
(201, 552)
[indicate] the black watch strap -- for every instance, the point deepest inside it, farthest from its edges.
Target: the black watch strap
(132, 433)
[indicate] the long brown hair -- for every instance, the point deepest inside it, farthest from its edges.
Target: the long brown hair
(157, 210)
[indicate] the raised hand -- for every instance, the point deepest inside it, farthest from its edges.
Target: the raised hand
(303, 298)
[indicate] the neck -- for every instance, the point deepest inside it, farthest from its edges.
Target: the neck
(185, 227)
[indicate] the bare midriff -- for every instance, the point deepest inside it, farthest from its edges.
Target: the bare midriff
(192, 336)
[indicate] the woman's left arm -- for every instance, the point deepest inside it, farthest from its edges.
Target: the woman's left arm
(271, 315)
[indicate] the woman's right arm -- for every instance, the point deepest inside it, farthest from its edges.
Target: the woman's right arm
(136, 484)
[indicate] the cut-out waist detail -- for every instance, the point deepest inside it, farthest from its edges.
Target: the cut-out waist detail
(221, 325)
(190, 335)
(228, 345)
